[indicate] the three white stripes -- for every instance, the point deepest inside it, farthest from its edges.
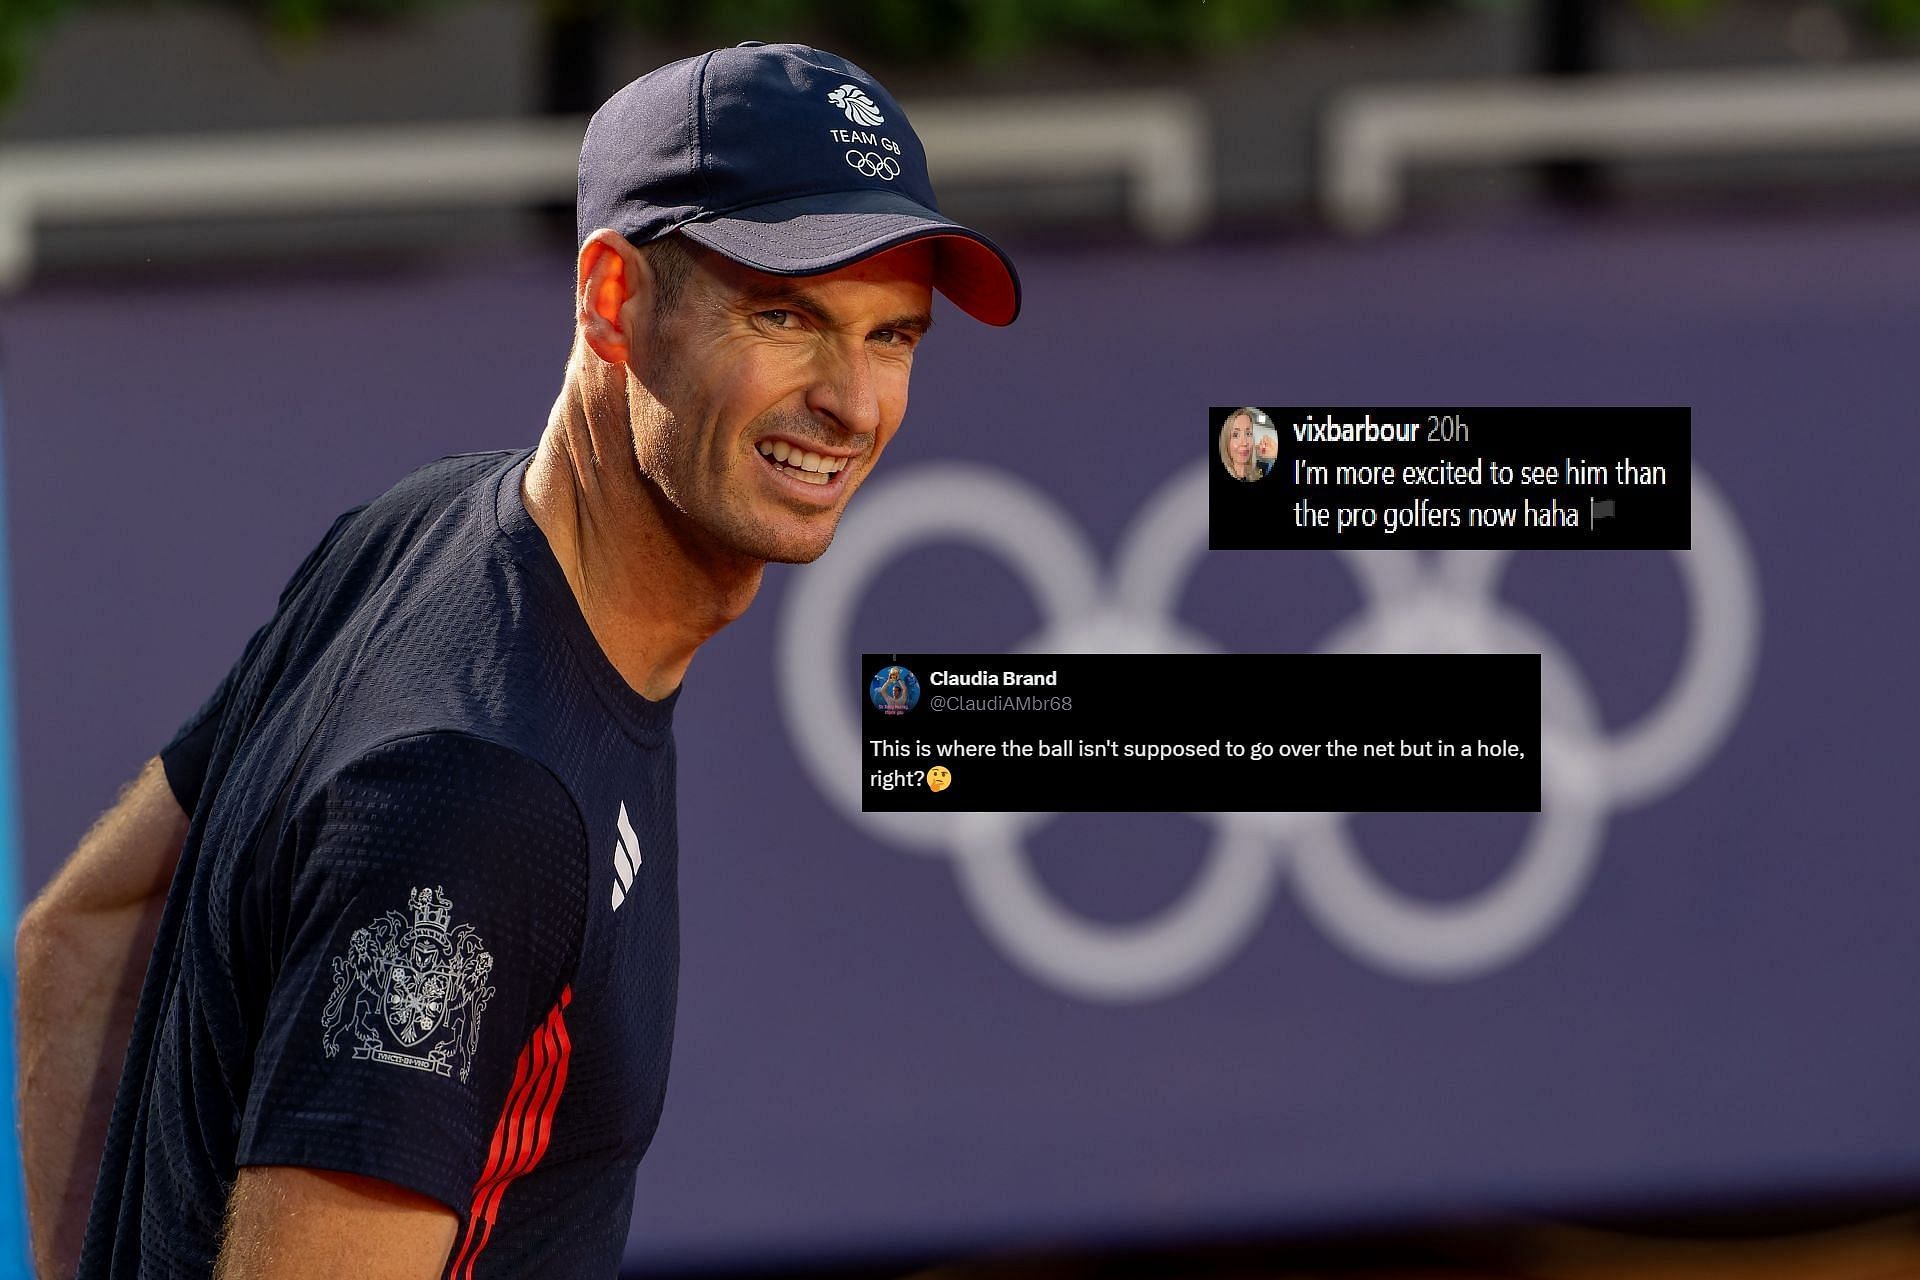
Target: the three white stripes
(626, 858)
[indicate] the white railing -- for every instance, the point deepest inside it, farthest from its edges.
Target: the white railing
(1157, 142)
(1372, 136)
(1160, 142)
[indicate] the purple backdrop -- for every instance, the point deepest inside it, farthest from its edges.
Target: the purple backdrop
(869, 1056)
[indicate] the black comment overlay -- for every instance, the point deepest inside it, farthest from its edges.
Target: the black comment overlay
(1248, 732)
(1567, 479)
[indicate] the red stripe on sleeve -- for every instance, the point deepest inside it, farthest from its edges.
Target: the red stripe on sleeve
(504, 1150)
(521, 1136)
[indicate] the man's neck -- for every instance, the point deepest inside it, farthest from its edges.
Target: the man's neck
(651, 593)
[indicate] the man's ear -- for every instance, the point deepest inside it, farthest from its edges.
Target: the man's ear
(613, 295)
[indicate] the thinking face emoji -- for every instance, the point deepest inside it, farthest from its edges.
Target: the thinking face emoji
(939, 777)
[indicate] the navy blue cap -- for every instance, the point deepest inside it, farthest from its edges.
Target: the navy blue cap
(784, 158)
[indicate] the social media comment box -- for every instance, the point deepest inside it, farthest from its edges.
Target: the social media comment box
(1250, 732)
(1582, 479)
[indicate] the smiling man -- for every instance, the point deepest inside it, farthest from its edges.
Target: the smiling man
(403, 890)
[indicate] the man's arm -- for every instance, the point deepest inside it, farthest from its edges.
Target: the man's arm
(309, 1224)
(490, 843)
(82, 951)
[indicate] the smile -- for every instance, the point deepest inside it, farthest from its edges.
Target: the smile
(799, 464)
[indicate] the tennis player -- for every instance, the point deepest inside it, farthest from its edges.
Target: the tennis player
(403, 890)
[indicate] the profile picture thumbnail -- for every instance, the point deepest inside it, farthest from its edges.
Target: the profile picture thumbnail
(1249, 443)
(894, 690)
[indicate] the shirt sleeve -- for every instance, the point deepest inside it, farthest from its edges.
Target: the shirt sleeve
(185, 757)
(436, 913)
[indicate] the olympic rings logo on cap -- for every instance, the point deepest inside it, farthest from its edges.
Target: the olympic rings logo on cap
(1449, 604)
(871, 164)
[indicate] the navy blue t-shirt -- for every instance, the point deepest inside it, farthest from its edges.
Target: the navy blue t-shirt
(425, 925)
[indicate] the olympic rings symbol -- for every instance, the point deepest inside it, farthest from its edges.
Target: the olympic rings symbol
(871, 164)
(1409, 604)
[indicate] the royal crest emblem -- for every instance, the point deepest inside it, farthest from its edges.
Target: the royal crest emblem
(860, 109)
(418, 989)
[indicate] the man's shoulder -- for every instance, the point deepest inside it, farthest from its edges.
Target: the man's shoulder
(368, 543)
(429, 616)
(432, 652)
(423, 493)
(447, 477)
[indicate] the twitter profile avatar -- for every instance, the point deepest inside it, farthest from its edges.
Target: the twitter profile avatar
(894, 690)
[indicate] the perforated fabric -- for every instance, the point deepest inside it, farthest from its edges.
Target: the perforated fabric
(425, 924)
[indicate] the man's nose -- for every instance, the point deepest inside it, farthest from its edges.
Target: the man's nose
(844, 389)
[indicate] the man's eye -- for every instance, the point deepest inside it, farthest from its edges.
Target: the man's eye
(778, 319)
(892, 337)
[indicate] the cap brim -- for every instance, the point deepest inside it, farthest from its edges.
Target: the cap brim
(809, 235)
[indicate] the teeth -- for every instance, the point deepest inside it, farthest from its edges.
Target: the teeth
(802, 463)
(821, 470)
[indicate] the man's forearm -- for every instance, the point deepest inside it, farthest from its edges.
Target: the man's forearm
(80, 976)
(81, 954)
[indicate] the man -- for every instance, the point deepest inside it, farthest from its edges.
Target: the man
(410, 997)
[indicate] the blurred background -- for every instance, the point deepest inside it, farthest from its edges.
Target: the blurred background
(258, 259)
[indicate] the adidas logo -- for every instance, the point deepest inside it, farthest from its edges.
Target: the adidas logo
(626, 858)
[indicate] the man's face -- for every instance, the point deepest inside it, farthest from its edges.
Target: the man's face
(770, 398)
